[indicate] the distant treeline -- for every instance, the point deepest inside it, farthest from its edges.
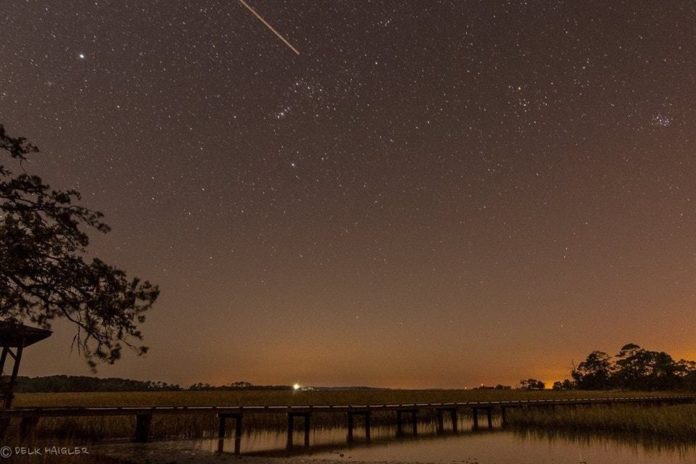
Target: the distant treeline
(632, 368)
(237, 386)
(69, 383)
(491, 387)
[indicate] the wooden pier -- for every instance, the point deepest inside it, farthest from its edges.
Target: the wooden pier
(29, 417)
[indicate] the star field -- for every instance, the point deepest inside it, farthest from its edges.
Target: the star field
(431, 194)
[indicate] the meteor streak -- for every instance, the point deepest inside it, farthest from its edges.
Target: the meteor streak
(269, 26)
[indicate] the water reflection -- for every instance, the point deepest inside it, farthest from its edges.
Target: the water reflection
(497, 445)
(278, 441)
(634, 441)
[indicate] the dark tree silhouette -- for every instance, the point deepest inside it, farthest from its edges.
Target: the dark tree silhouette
(631, 365)
(563, 385)
(532, 384)
(634, 368)
(69, 383)
(645, 370)
(594, 373)
(44, 273)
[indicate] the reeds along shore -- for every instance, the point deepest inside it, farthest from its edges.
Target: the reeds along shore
(205, 425)
(670, 422)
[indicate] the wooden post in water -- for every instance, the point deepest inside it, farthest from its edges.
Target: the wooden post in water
(474, 412)
(142, 427)
(351, 423)
(367, 425)
(291, 429)
(222, 424)
(27, 426)
(307, 426)
(350, 427)
(441, 418)
(489, 413)
(503, 419)
(221, 433)
(237, 434)
(4, 424)
(400, 421)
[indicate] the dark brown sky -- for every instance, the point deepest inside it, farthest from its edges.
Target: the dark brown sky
(430, 194)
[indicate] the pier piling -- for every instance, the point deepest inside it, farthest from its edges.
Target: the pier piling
(222, 425)
(306, 417)
(142, 427)
(366, 414)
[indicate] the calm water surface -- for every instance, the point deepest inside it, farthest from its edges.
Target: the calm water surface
(497, 446)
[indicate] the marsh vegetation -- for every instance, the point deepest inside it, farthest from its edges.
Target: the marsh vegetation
(674, 422)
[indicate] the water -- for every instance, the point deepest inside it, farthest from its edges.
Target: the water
(496, 446)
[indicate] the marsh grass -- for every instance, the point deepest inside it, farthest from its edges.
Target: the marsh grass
(675, 422)
(286, 397)
(91, 429)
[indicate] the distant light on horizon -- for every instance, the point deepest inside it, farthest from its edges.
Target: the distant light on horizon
(296, 387)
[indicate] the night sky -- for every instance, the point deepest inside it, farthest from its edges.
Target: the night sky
(440, 193)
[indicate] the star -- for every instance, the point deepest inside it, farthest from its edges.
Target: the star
(282, 113)
(661, 120)
(444, 170)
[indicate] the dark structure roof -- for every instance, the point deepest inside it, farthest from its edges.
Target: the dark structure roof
(13, 334)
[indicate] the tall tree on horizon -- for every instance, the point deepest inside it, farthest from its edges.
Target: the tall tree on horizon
(45, 273)
(595, 372)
